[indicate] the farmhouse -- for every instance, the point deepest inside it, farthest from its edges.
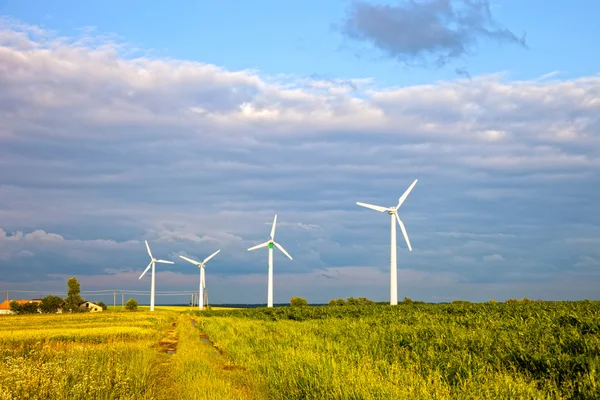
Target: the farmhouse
(91, 307)
(5, 305)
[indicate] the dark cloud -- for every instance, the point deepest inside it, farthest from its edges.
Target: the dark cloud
(417, 31)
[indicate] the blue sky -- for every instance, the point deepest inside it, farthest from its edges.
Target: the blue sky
(190, 125)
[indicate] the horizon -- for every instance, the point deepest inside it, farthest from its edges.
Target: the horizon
(192, 125)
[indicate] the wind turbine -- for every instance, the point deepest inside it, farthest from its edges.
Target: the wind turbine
(152, 264)
(270, 243)
(393, 212)
(202, 281)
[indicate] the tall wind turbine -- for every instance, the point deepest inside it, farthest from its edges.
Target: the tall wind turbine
(393, 212)
(152, 264)
(202, 281)
(270, 243)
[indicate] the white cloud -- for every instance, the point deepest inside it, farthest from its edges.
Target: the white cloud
(493, 258)
(114, 149)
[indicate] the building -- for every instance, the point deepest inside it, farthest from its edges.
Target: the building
(5, 305)
(91, 307)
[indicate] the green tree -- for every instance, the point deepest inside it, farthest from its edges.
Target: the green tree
(15, 307)
(29, 308)
(298, 302)
(104, 306)
(407, 300)
(332, 302)
(131, 305)
(74, 298)
(340, 302)
(50, 304)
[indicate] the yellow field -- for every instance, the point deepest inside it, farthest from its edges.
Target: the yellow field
(476, 351)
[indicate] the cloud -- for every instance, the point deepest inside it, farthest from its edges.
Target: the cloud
(102, 148)
(419, 30)
(493, 258)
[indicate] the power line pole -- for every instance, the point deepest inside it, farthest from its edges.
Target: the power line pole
(122, 300)
(7, 295)
(114, 300)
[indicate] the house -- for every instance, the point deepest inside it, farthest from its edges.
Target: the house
(91, 307)
(5, 305)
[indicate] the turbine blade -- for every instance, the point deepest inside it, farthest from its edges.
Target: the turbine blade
(146, 270)
(190, 260)
(211, 256)
(165, 262)
(273, 227)
(372, 207)
(404, 232)
(258, 246)
(280, 247)
(405, 195)
(148, 247)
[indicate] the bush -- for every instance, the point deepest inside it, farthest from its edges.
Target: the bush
(340, 302)
(492, 301)
(407, 300)
(298, 302)
(131, 305)
(104, 306)
(365, 301)
(332, 302)
(50, 304)
(15, 307)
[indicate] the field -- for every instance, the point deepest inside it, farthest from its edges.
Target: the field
(548, 350)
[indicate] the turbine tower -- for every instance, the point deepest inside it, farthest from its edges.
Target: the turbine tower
(270, 243)
(202, 279)
(393, 212)
(152, 264)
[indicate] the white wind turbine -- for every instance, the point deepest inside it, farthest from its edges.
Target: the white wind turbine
(270, 243)
(393, 212)
(152, 264)
(202, 280)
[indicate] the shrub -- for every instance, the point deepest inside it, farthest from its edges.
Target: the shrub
(15, 307)
(50, 304)
(365, 301)
(131, 305)
(104, 306)
(340, 302)
(407, 300)
(332, 302)
(492, 301)
(298, 302)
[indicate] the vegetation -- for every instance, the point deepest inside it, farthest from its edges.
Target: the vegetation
(351, 301)
(131, 305)
(528, 350)
(298, 302)
(51, 304)
(525, 350)
(101, 304)
(74, 298)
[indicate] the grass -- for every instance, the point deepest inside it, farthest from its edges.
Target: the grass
(418, 351)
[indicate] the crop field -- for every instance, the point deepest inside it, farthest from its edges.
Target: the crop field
(548, 350)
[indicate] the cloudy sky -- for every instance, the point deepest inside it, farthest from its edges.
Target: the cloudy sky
(190, 124)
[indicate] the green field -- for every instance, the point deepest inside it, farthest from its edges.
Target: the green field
(537, 350)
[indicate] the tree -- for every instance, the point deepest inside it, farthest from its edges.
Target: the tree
(131, 305)
(74, 298)
(340, 302)
(104, 306)
(50, 304)
(407, 300)
(298, 302)
(15, 307)
(332, 302)
(29, 308)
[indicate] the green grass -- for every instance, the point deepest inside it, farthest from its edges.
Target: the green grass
(410, 351)
(459, 351)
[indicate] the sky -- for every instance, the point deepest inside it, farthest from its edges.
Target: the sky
(191, 124)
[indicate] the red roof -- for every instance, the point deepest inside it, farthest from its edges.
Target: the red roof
(5, 305)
